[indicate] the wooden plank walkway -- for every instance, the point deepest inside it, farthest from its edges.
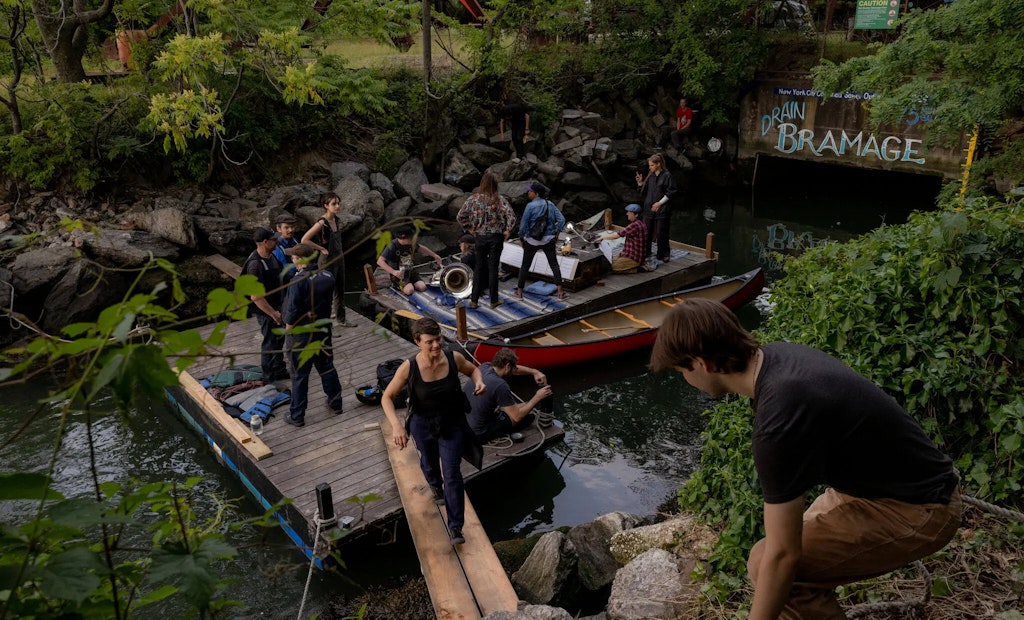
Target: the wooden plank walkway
(346, 451)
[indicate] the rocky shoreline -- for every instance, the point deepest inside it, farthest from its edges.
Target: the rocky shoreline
(55, 273)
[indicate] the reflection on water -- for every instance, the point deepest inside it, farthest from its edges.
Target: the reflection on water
(631, 437)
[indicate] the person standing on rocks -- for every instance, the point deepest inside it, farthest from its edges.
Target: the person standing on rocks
(891, 495)
(308, 301)
(487, 216)
(324, 236)
(658, 188)
(519, 126)
(262, 264)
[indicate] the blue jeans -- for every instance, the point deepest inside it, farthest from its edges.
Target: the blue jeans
(488, 259)
(324, 364)
(271, 354)
(442, 446)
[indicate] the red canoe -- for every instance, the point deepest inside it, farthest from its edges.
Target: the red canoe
(614, 331)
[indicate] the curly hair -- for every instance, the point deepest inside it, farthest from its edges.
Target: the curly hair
(505, 357)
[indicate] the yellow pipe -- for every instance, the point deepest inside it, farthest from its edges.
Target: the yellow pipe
(971, 148)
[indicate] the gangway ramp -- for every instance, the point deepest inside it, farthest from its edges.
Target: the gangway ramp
(464, 581)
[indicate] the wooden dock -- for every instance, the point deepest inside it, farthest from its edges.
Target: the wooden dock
(350, 453)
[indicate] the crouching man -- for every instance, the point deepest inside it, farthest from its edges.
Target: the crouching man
(496, 412)
(891, 498)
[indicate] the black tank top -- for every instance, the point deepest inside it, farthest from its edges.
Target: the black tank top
(442, 398)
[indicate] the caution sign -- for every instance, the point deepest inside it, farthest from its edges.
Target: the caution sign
(876, 14)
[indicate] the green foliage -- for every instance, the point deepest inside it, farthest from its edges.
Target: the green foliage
(960, 62)
(931, 311)
(80, 557)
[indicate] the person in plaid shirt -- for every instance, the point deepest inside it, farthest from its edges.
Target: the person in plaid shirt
(488, 217)
(635, 234)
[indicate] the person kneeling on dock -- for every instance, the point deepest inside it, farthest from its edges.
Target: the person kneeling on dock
(437, 417)
(309, 299)
(635, 234)
(397, 257)
(497, 411)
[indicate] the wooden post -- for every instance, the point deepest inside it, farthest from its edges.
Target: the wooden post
(371, 282)
(607, 219)
(461, 326)
(709, 246)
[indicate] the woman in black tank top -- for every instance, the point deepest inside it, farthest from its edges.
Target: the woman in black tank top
(437, 417)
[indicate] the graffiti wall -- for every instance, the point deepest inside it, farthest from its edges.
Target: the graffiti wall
(795, 121)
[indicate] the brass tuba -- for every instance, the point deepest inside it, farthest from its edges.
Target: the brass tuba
(455, 279)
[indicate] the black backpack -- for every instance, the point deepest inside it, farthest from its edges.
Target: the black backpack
(540, 225)
(385, 373)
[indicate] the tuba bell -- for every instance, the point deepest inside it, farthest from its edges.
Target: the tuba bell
(456, 279)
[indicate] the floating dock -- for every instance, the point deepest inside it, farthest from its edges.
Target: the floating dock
(345, 451)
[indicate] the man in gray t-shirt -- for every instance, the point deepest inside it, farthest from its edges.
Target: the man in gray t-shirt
(496, 411)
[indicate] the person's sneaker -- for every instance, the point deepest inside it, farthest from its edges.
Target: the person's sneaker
(456, 536)
(336, 406)
(289, 419)
(438, 495)
(345, 323)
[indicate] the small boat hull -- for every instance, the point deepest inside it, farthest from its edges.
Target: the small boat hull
(615, 331)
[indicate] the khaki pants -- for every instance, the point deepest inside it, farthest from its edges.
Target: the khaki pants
(621, 264)
(847, 539)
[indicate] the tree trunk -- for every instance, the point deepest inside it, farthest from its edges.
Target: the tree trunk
(66, 34)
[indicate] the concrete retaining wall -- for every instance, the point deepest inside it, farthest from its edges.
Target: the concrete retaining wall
(787, 118)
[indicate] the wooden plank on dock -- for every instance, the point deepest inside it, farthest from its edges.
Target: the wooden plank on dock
(491, 587)
(450, 591)
(234, 427)
(224, 264)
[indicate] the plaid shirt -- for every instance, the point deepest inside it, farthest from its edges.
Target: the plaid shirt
(636, 236)
(478, 217)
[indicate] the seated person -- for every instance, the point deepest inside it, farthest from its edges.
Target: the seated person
(635, 234)
(496, 412)
(467, 251)
(396, 259)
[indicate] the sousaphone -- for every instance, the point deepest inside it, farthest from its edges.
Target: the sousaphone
(455, 279)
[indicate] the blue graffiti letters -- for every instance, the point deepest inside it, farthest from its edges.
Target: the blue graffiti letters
(892, 148)
(782, 113)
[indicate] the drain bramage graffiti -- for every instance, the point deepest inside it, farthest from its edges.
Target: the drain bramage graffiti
(799, 122)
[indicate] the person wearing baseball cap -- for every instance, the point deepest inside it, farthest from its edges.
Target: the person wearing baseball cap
(310, 297)
(285, 226)
(265, 267)
(538, 232)
(635, 234)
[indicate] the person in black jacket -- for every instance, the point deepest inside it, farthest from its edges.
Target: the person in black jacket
(658, 188)
(310, 295)
(262, 264)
